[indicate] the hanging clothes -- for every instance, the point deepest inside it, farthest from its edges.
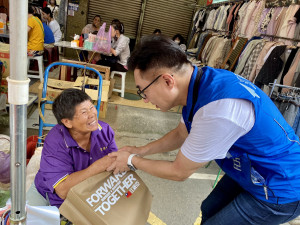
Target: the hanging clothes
(246, 54)
(271, 68)
(252, 60)
(288, 78)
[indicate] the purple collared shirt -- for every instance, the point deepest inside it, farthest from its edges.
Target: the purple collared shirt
(62, 156)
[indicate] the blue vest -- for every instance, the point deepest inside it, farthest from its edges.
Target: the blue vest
(266, 160)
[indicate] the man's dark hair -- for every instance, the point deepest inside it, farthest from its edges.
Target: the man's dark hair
(97, 16)
(157, 51)
(64, 106)
(157, 31)
(48, 11)
(30, 9)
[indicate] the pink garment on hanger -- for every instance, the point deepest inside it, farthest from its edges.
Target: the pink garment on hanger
(288, 78)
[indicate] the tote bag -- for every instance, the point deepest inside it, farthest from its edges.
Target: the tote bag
(108, 199)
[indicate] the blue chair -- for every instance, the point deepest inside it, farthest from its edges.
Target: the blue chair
(43, 102)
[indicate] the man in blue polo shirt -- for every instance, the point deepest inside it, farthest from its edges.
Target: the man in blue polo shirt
(75, 149)
(225, 118)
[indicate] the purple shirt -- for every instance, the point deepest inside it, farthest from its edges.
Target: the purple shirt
(62, 156)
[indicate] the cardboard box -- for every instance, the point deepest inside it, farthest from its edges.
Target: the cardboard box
(55, 87)
(4, 58)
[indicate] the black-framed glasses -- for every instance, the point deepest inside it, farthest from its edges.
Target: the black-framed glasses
(141, 92)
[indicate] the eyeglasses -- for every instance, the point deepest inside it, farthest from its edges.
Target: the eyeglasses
(141, 92)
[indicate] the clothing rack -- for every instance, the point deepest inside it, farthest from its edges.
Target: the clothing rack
(219, 4)
(225, 31)
(285, 38)
(281, 86)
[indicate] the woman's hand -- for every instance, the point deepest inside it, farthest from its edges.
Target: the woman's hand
(113, 51)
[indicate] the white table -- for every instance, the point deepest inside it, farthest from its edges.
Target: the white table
(67, 44)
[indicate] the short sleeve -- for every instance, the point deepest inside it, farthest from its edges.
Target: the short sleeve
(112, 144)
(30, 22)
(216, 127)
(56, 163)
(107, 135)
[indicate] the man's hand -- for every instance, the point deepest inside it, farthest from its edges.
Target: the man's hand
(120, 163)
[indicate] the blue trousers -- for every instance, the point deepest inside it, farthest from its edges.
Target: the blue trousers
(229, 204)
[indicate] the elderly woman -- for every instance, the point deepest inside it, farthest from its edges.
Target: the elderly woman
(74, 150)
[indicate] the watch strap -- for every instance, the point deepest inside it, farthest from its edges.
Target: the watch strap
(130, 159)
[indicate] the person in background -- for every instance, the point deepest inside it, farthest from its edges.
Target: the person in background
(35, 44)
(225, 118)
(178, 39)
(74, 150)
(157, 32)
(54, 9)
(52, 23)
(49, 37)
(92, 28)
(119, 49)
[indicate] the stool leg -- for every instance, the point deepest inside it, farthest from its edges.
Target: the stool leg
(123, 86)
(41, 69)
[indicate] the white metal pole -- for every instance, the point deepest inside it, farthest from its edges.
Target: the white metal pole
(18, 92)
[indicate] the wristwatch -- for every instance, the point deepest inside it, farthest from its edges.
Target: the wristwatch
(129, 163)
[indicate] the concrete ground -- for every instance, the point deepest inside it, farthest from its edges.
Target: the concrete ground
(174, 203)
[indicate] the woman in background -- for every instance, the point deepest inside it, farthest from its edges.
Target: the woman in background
(119, 49)
(54, 9)
(52, 23)
(180, 41)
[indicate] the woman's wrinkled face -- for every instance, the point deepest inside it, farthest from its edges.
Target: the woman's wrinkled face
(85, 118)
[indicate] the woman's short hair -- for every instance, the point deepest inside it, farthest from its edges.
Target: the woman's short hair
(182, 41)
(157, 51)
(118, 25)
(157, 31)
(47, 11)
(64, 106)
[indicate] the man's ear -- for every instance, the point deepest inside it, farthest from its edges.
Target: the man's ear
(169, 79)
(67, 122)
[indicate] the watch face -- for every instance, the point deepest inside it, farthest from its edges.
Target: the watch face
(131, 167)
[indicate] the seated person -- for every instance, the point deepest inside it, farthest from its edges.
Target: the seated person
(35, 44)
(74, 150)
(178, 39)
(92, 28)
(157, 32)
(52, 23)
(49, 37)
(119, 49)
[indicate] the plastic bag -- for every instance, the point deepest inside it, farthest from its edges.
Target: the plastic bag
(103, 40)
